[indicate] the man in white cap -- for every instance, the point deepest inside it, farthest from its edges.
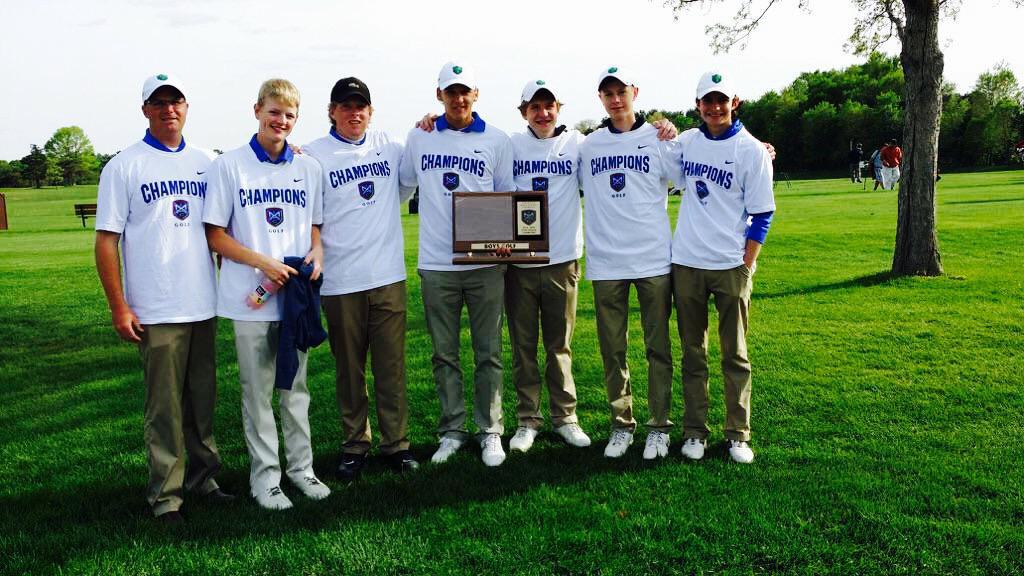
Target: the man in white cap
(463, 154)
(364, 282)
(150, 201)
(624, 170)
(723, 221)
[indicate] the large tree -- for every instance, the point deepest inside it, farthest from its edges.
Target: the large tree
(69, 148)
(36, 166)
(915, 24)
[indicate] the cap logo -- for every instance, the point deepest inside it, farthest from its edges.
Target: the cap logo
(540, 82)
(613, 70)
(457, 69)
(716, 78)
(161, 77)
(353, 85)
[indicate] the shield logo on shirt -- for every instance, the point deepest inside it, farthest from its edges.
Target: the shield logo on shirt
(540, 184)
(450, 180)
(275, 216)
(180, 209)
(529, 216)
(366, 189)
(702, 190)
(617, 181)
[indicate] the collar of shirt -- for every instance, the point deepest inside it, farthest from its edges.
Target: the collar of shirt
(477, 125)
(558, 131)
(152, 141)
(261, 154)
(732, 131)
(636, 124)
(346, 140)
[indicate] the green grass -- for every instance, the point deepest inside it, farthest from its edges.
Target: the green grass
(886, 414)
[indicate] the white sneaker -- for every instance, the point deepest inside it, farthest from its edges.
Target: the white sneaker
(618, 443)
(311, 486)
(741, 452)
(445, 449)
(657, 445)
(523, 439)
(573, 435)
(493, 454)
(273, 499)
(693, 448)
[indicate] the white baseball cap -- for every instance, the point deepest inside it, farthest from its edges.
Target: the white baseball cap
(617, 73)
(156, 81)
(534, 86)
(715, 82)
(456, 73)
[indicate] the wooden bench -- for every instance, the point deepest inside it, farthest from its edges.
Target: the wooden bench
(83, 211)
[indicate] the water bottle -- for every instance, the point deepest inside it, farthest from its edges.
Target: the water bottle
(263, 291)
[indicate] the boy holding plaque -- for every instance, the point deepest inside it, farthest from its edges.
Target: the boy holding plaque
(468, 155)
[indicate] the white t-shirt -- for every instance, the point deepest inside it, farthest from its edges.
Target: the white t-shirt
(551, 164)
(446, 161)
(154, 200)
(625, 183)
(725, 182)
(362, 231)
(266, 207)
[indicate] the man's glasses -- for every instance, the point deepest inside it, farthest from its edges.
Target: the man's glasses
(165, 102)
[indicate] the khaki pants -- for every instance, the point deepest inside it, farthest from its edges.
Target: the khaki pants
(547, 293)
(370, 321)
(256, 345)
(180, 374)
(611, 303)
(444, 293)
(732, 288)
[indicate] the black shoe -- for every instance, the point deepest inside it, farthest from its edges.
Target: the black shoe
(351, 466)
(171, 518)
(402, 461)
(218, 496)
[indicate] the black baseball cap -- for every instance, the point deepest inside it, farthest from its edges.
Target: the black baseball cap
(348, 87)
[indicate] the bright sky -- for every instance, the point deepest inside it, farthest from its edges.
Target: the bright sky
(83, 62)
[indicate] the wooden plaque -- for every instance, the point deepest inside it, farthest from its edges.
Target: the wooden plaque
(482, 222)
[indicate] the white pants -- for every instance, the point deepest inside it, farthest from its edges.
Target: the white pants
(890, 176)
(256, 344)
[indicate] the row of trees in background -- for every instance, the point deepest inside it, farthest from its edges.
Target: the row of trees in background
(66, 159)
(812, 121)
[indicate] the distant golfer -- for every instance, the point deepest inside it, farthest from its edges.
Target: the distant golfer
(150, 201)
(723, 221)
(892, 156)
(854, 157)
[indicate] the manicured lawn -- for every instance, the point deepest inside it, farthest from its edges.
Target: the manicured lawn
(886, 413)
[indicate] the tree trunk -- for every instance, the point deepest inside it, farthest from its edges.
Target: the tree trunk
(917, 246)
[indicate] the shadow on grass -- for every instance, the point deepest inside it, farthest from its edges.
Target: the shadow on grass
(870, 280)
(991, 201)
(64, 523)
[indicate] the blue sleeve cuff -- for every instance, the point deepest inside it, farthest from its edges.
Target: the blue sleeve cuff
(759, 224)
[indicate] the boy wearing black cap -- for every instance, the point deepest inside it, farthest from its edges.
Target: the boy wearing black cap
(363, 294)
